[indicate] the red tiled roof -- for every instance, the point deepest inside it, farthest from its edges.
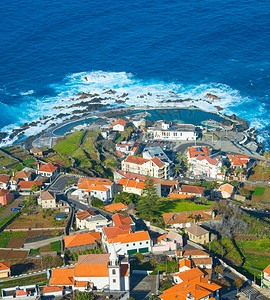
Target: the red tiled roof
(226, 188)
(51, 289)
(84, 214)
(121, 122)
(3, 192)
(119, 220)
(192, 189)
(131, 183)
(130, 237)
(196, 151)
(4, 178)
(157, 161)
(112, 232)
(47, 196)
(184, 217)
(62, 276)
(267, 270)
(48, 168)
(27, 184)
(136, 160)
(4, 266)
(94, 184)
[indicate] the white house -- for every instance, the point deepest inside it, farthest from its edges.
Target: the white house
(48, 170)
(119, 125)
(170, 131)
(266, 276)
(100, 188)
(87, 219)
(4, 181)
(126, 243)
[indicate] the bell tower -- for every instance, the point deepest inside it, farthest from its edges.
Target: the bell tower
(114, 271)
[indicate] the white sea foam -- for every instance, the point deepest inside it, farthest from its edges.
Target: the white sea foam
(114, 86)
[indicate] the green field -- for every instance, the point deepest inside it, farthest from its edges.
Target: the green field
(5, 160)
(69, 144)
(56, 246)
(182, 205)
(258, 191)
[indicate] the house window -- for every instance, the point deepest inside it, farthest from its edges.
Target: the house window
(140, 243)
(113, 271)
(146, 242)
(127, 245)
(133, 244)
(114, 280)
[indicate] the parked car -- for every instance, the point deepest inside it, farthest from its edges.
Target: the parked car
(15, 209)
(21, 205)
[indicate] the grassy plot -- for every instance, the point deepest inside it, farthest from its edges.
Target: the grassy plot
(258, 191)
(69, 144)
(81, 159)
(56, 246)
(182, 205)
(5, 160)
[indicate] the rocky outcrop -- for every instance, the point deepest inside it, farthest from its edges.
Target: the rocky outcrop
(212, 96)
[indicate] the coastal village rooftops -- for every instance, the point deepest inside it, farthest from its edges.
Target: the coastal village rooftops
(115, 207)
(192, 189)
(267, 270)
(81, 239)
(238, 160)
(226, 188)
(47, 196)
(4, 178)
(197, 151)
(4, 267)
(35, 150)
(196, 289)
(196, 230)
(130, 237)
(48, 168)
(82, 215)
(62, 277)
(212, 160)
(131, 183)
(184, 217)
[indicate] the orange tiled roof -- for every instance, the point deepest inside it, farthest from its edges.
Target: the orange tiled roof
(50, 289)
(48, 168)
(184, 217)
(113, 231)
(121, 122)
(161, 237)
(238, 160)
(81, 283)
(184, 263)
(94, 184)
(130, 237)
(267, 270)
(4, 266)
(84, 214)
(157, 161)
(131, 183)
(27, 184)
(202, 261)
(22, 174)
(62, 277)
(181, 196)
(136, 160)
(195, 252)
(196, 151)
(92, 265)
(191, 189)
(197, 288)
(189, 274)
(81, 239)
(21, 293)
(115, 206)
(226, 188)
(119, 220)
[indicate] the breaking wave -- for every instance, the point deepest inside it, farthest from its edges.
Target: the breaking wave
(124, 89)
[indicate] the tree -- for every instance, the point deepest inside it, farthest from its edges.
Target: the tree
(218, 270)
(34, 188)
(244, 192)
(97, 203)
(237, 283)
(263, 169)
(83, 296)
(149, 203)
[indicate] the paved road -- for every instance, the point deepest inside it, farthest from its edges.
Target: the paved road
(59, 185)
(142, 287)
(7, 212)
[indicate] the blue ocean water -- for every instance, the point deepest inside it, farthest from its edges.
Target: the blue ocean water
(188, 47)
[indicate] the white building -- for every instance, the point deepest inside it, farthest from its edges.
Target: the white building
(100, 188)
(153, 167)
(87, 219)
(126, 243)
(48, 170)
(169, 131)
(119, 125)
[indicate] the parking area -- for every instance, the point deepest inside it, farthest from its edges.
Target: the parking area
(143, 287)
(15, 204)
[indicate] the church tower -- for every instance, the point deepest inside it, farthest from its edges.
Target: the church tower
(114, 271)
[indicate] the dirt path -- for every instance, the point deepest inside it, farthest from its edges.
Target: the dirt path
(258, 253)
